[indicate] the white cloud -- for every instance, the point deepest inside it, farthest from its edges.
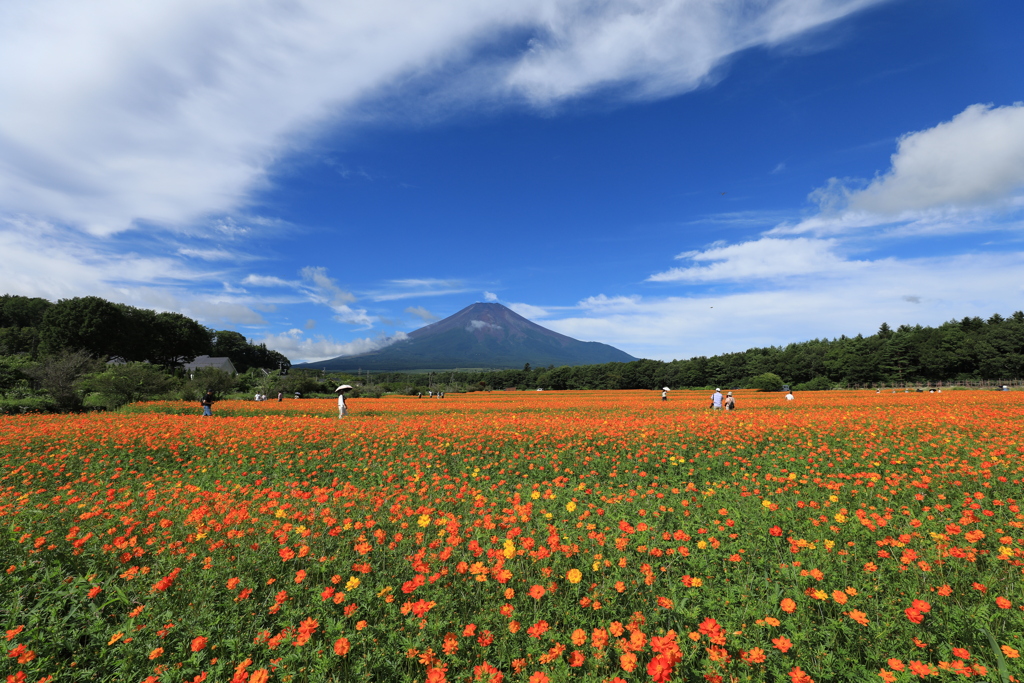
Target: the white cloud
(220, 312)
(321, 289)
(975, 159)
(490, 296)
(410, 288)
(928, 291)
(962, 175)
(475, 325)
(167, 111)
(267, 281)
(301, 349)
(421, 313)
(212, 254)
(529, 311)
(654, 48)
(767, 257)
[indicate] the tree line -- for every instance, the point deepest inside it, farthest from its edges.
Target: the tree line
(966, 349)
(38, 328)
(53, 355)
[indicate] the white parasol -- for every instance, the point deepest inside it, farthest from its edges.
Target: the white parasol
(344, 387)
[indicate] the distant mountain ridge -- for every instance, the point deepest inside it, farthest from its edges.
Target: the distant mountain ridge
(482, 335)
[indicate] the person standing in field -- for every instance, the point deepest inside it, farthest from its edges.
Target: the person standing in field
(342, 406)
(664, 394)
(789, 396)
(716, 400)
(730, 402)
(207, 403)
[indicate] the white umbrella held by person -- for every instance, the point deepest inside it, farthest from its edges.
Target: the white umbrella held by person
(342, 408)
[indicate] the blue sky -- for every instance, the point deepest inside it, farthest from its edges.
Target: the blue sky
(672, 177)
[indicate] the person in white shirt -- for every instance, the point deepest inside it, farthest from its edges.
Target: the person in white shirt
(789, 396)
(716, 400)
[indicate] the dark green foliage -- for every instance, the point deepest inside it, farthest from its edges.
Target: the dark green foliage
(60, 375)
(122, 384)
(89, 324)
(203, 379)
(768, 381)
(245, 355)
(817, 384)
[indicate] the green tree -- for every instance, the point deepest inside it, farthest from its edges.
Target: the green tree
(59, 376)
(769, 381)
(119, 385)
(14, 380)
(22, 311)
(178, 340)
(89, 323)
(204, 379)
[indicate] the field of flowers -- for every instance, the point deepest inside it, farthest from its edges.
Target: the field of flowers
(555, 536)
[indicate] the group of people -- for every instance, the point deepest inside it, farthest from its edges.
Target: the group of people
(719, 403)
(727, 402)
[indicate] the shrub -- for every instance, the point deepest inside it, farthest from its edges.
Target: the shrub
(819, 383)
(769, 381)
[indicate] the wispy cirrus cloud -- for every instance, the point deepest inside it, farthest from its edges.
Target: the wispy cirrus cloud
(422, 313)
(395, 290)
(168, 111)
(322, 289)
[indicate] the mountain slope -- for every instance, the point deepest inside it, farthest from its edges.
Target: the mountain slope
(479, 336)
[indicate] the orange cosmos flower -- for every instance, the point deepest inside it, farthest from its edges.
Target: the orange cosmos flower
(537, 592)
(798, 675)
(1009, 651)
(788, 605)
(538, 629)
(156, 652)
(914, 615)
(628, 662)
(341, 646)
(782, 643)
(573, 576)
(858, 616)
(198, 643)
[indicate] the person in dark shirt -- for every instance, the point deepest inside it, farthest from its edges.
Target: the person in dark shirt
(207, 403)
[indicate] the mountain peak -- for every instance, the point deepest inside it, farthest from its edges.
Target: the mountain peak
(481, 335)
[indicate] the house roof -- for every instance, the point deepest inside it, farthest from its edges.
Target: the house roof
(219, 362)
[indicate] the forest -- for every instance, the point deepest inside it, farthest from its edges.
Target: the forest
(55, 356)
(90, 353)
